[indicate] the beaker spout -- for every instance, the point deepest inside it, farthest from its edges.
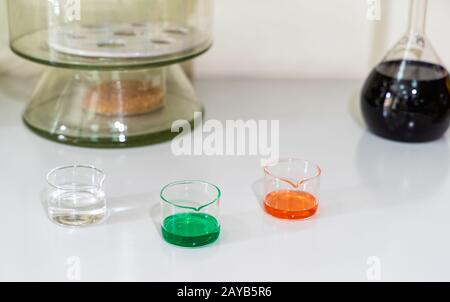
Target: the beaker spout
(294, 183)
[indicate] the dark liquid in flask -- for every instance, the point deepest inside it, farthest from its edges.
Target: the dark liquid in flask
(407, 101)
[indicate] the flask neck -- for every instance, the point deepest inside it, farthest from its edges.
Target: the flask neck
(418, 16)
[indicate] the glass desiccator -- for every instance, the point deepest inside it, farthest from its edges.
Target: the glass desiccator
(113, 78)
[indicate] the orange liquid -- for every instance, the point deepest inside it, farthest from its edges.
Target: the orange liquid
(288, 204)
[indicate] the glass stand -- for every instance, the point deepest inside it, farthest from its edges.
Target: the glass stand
(111, 109)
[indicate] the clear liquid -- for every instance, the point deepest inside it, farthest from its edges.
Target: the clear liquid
(76, 209)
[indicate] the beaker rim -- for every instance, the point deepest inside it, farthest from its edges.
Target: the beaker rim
(194, 181)
(317, 174)
(76, 187)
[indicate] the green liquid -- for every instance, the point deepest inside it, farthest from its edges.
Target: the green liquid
(190, 229)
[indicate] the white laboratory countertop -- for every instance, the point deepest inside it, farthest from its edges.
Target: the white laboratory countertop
(379, 198)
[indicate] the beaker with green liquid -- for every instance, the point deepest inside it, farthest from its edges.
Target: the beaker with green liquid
(190, 213)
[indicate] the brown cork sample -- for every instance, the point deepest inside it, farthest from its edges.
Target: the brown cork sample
(125, 97)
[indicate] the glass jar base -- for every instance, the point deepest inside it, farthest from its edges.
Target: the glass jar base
(111, 109)
(107, 142)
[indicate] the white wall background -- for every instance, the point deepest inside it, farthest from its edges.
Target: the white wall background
(311, 38)
(306, 38)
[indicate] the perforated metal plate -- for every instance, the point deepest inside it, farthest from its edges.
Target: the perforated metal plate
(124, 40)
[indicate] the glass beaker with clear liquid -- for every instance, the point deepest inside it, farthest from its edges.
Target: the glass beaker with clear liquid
(75, 196)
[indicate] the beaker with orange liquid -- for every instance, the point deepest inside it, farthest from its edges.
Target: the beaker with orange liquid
(292, 189)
